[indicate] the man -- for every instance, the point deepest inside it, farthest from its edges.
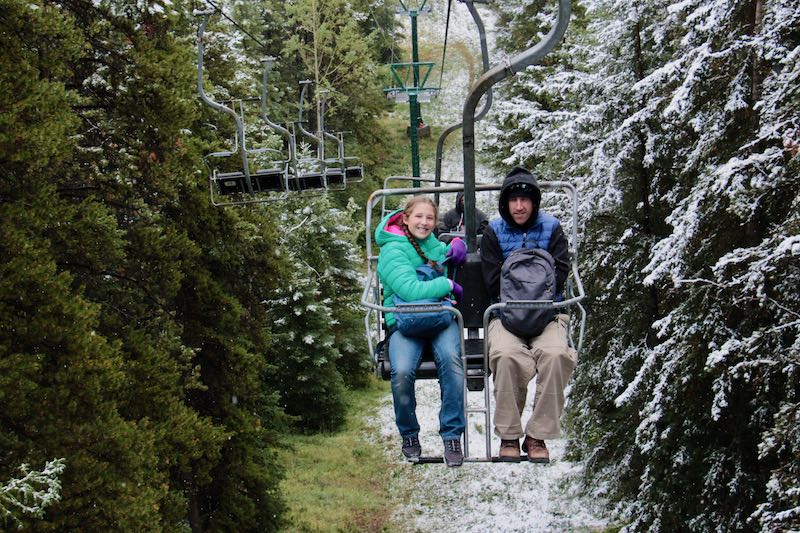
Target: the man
(514, 360)
(453, 220)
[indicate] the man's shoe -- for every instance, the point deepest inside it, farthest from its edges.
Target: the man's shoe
(536, 450)
(452, 453)
(412, 449)
(509, 451)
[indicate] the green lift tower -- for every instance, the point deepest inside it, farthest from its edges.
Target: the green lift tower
(410, 79)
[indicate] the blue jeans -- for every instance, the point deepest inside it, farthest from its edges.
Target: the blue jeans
(405, 354)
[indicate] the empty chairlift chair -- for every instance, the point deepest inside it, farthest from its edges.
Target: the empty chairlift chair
(309, 172)
(241, 185)
(338, 166)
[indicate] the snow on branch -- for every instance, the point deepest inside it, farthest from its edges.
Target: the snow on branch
(30, 494)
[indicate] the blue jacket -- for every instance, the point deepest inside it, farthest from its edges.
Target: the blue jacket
(503, 236)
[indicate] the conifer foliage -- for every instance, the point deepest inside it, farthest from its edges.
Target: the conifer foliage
(678, 121)
(138, 348)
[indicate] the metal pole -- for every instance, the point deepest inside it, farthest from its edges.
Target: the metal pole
(486, 105)
(413, 104)
(498, 73)
(217, 106)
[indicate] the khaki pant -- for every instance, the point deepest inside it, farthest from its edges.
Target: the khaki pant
(515, 361)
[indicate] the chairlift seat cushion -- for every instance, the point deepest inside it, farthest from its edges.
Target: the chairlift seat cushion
(354, 173)
(427, 366)
(267, 180)
(335, 176)
(231, 182)
(264, 180)
(476, 297)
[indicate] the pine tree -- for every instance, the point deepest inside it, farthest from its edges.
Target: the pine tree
(61, 380)
(673, 124)
(326, 37)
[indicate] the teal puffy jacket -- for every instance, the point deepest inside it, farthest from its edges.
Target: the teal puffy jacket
(398, 261)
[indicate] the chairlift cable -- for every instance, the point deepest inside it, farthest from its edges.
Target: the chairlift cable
(221, 12)
(391, 35)
(444, 49)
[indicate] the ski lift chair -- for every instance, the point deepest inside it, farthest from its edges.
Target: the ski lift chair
(334, 166)
(309, 173)
(351, 173)
(242, 185)
(474, 310)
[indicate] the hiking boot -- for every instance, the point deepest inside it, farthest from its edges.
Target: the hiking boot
(509, 451)
(452, 453)
(412, 449)
(536, 450)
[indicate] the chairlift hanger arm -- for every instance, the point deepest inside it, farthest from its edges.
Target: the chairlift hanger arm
(291, 141)
(323, 104)
(268, 63)
(498, 73)
(215, 105)
(487, 102)
(300, 121)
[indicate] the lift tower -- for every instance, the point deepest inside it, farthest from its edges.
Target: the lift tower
(410, 79)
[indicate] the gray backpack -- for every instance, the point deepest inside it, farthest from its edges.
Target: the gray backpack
(527, 274)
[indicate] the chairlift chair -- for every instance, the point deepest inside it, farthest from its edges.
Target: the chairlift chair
(474, 312)
(310, 173)
(338, 164)
(243, 185)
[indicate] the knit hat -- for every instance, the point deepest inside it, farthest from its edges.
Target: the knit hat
(521, 189)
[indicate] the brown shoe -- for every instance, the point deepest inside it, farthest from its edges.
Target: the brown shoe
(509, 451)
(536, 450)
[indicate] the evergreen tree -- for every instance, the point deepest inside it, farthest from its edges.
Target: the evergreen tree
(125, 242)
(62, 382)
(672, 118)
(316, 317)
(326, 37)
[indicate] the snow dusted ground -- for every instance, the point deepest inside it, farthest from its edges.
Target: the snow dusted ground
(482, 496)
(479, 496)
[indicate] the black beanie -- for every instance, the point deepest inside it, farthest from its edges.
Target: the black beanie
(521, 189)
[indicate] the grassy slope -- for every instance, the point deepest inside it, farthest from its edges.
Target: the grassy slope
(338, 481)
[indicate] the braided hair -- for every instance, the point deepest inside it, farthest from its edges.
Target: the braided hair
(409, 207)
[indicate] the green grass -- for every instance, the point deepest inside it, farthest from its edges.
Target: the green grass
(339, 481)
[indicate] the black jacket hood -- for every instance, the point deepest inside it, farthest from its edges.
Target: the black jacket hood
(460, 203)
(520, 177)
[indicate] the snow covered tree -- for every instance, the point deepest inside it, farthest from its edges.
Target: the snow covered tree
(678, 123)
(318, 327)
(109, 238)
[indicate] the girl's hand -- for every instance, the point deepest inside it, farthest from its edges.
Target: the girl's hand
(457, 253)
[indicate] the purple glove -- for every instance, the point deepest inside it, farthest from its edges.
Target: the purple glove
(457, 253)
(457, 290)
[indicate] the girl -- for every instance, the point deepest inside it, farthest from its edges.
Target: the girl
(407, 241)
